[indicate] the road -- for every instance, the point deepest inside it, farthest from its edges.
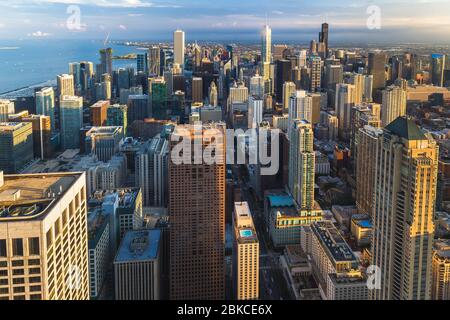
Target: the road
(272, 282)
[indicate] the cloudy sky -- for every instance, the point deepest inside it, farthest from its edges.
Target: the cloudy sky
(291, 20)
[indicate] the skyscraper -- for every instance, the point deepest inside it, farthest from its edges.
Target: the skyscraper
(197, 90)
(266, 51)
(366, 149)
(45, 104)
(178, 47)
(376, 67)
(213, 99)
(65, 83)
(345, 101)
(106, 65)
(6, 108)
(300, 108)
(44, 229)
(71, 121)
(394, 104)
(245, 254)
(283, 75)
(257, 85)
(302, 164)
(99, 113)
(255, 112)
(403, 212)
(323, 37)
(289, 89)
(154, 61)
(197, 220)
(438, 63)
(16, 146)
(316, 74)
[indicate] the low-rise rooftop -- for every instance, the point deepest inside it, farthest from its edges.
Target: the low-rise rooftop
(139, 246)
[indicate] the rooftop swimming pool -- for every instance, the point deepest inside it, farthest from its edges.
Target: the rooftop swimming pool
(247, 233)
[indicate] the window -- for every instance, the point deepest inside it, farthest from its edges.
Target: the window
(17, 247)
(33, 246)
(2, 248)
(49, 238)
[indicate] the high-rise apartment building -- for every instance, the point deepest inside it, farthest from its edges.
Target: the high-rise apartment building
(394, 104)
(43, 237)
(117, 115)
(257, 86)
(6, 108)
(403, 212)
(71, 109)
(300, 108)
(302, 164)
(16, 146)
(197, 219)
(212, 94)
(316, 74)
(366, 147)
(178, 47)
(245, 254)
(154, 61)
(440, 287)
(255, 112)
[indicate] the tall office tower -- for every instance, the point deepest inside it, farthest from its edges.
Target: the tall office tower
(238, 93)
(45, 104)
(440, 287)
(376, 68)
(158, 98)
(366, 147)
(397, 68)
(245, 254)
(42, 135)
(106, 58)
(137, 266)
(197, 220)
(71, 109)
(103, 90)
(302, 57)
(197, 56)
(438, 64)
(138, 107)
(333, 75)
(213, 99)
(99, 113)
(255, 112)
(404, 200)
(283, 75)
(117, 115)
(65, 85)
(316, 74)
(16, 146)
(178, 47)
(197, 90)
(301, 164)
(142, 62)
(313, 47)
(257, 85)
(357, 80)
(154, 61)
(335, 266)
(123, 79)
(289, 90)
(300, 108)
(43, 230)
(103, 142)
(151, 163)
(368, 88)
(266, 51)
(394, 104)
(6, 108)
(75, 70)
(323, 37)
(345, 101)
(86, 76)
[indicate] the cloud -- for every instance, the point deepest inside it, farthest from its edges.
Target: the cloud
(122, 27)
(39, 34)
(99, 3)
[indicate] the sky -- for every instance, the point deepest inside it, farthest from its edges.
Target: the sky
(393, 21)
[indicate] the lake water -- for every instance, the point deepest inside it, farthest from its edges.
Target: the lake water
(28, 62)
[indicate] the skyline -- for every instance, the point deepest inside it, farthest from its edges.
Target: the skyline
(290, 20)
